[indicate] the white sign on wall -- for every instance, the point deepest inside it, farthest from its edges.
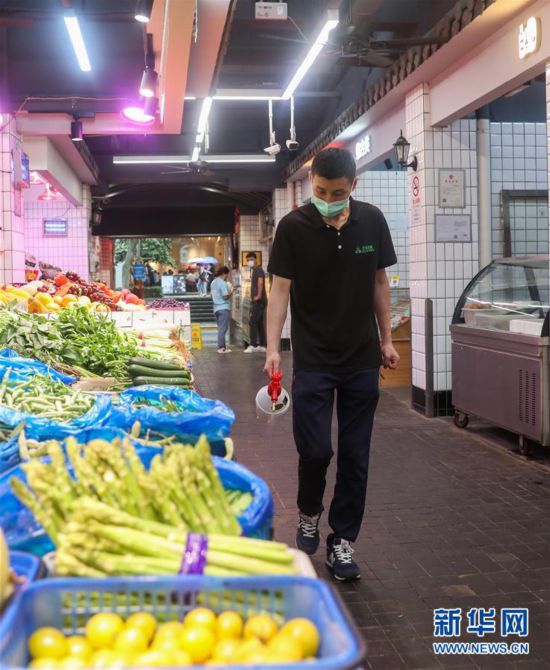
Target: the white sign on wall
(529, 37)
(453, 228)
(363, 147)
(452, 191)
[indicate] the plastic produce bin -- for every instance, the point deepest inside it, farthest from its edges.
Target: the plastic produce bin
(24, 533)
(68, 604)
(27, 565)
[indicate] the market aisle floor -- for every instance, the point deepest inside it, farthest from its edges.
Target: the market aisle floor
(450, 522)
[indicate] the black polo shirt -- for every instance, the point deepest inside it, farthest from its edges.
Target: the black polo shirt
(332, 292)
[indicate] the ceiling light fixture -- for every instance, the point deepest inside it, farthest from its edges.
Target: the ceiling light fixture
(148, 83)
(143, 11)
(73, 28)
(137, 114)
(76, 131)
(312, 54)
(203, 118)
(195, 155)
(175, 160)
(247, 97)
(35, 178)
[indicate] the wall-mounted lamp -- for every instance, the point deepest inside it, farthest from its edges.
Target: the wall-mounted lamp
(402, 148)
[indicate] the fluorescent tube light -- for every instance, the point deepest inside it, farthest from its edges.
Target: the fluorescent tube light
(247, 97)
(175, 160)
(203, 118)
(195, 155)
(73, 28)
(312, 55)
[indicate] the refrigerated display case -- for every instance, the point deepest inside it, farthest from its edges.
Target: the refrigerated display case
(501, 346)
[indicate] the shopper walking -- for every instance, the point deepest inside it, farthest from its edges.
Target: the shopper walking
(258, 302)
(336, 346)
(221, 297)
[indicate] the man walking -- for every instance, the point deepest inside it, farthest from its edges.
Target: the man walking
(258, 302)
(336, 345)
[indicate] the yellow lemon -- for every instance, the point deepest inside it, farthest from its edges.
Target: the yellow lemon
(77, 645)
(200, 616)
(131, 641)
(198, 642)
(102, 629)
(226, 650)
(145, 621)
(153, 659)
(106, 658)
(229, 625)
(260, 626)
(284, 648)
(47, 642)
(305, 632)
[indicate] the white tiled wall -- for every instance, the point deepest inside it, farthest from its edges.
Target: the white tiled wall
(438, 271)
(68, 253)
(250, 237)
(12, 234)
(388, 192)
(519, 162)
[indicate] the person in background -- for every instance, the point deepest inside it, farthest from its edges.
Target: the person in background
(337, 348)
(258, 302)
(202, 284)
(221, 297)
(149, 275)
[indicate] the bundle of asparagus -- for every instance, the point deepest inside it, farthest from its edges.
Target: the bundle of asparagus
(181, 489)
(99, 540)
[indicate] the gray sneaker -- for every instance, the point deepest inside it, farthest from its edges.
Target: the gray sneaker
(307, 535)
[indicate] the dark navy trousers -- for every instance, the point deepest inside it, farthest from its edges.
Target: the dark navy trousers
(357, 396)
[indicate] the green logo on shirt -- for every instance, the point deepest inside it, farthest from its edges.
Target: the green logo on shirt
(365, 249)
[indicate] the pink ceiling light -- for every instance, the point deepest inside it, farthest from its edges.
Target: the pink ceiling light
(36, 179)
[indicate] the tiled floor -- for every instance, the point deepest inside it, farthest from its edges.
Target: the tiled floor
(450, 522)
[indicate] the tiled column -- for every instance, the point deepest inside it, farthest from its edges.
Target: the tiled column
(12, 238)
(439, 271)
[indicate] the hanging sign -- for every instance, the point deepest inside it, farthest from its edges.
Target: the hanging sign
(363, 147)
(529, 37)
(452, 191)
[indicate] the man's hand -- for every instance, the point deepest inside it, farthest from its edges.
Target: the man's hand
(390, 357)
(272, 363)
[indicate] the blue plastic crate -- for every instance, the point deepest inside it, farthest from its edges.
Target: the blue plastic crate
(68, 603)
(24, 533)
(27, 565)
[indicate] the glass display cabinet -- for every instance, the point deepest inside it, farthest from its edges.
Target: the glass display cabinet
(500, 348)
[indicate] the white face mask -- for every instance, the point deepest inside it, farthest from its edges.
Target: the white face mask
(251, 264)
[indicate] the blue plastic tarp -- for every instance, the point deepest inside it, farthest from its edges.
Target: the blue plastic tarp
(24, 368)
(197, 415)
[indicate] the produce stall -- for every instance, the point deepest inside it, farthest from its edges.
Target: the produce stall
(161, 551)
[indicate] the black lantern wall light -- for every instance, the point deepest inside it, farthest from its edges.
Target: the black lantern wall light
(401, 149)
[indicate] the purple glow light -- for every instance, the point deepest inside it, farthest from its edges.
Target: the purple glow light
(137, 115)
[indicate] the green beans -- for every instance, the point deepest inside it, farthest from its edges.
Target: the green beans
(45, 397)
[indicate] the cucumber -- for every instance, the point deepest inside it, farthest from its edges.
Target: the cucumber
(162, 381)
(144, 371)
(155, 365)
